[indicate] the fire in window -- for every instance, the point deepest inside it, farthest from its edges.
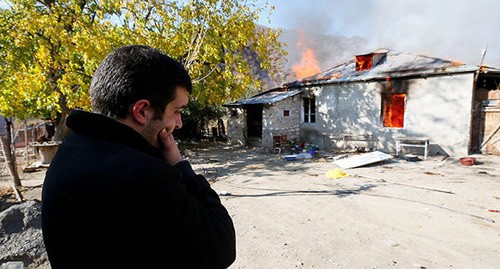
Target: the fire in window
(364, 62)
(309, 109)
(394, 103)
(393, 110)
(368, 61)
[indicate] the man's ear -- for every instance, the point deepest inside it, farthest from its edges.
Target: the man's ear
(141, 110)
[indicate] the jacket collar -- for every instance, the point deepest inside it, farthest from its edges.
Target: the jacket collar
(106, 128)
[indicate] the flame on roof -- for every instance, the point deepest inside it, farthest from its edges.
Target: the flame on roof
(394, 65)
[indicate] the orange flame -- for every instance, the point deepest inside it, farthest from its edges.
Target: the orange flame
(394, 107)
(395, 110)
(308, 65)
(364, 62)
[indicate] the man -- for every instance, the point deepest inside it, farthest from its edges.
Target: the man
(118, 193)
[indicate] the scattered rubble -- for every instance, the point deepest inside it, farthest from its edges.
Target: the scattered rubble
(21, 235)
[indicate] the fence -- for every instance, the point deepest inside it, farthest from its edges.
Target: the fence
(22, 138)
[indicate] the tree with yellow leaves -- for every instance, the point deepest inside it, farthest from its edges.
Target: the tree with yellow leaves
(49, 49)
(218, 41)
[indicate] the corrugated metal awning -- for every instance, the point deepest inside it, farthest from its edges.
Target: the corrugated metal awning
(266, 98)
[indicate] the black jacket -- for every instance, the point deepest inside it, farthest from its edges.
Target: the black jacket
(111, 201)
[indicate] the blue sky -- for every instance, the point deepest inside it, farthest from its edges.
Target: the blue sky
(452, 29)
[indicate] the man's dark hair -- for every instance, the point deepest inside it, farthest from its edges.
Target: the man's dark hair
(136, 72)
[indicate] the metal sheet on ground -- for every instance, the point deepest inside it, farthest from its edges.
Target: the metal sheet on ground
(363, 159)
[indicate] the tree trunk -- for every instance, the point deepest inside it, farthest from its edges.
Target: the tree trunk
(62, 131)
(9, 154)
(221, 127)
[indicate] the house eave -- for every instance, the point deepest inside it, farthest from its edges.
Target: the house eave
(391, 75)
(266, 98)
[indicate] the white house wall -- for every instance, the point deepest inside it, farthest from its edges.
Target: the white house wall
(274, 123)
(438, 108)
(236, 126)
(340, 110)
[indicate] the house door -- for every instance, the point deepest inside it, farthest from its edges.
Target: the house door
(254, 121)
(491, 135)
(485, 132)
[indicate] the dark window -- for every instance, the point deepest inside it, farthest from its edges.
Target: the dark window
(286, 113)
(309, 109)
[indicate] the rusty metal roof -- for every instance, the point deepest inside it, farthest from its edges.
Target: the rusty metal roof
(395, 65)
(266, 98)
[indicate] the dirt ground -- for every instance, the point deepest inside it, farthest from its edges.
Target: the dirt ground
(434, 213)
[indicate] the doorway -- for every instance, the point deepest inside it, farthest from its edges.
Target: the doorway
(254, 123)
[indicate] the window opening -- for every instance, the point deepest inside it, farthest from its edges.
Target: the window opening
(394, 110)
(368, 61)
(309, 110)
(393, 105)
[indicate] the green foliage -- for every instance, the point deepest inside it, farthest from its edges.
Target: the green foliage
(49, 51)
(210, 39)
(203, 113)
(50, 48)
(196, 118)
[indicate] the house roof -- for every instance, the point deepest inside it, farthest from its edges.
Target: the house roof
(394, 65)
(265, 98)
(387, 64)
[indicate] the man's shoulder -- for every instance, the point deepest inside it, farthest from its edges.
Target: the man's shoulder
(81, 151)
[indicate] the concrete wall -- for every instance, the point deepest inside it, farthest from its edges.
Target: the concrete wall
(342, 109)
(274, 123)
(438, 108)
(237, 126)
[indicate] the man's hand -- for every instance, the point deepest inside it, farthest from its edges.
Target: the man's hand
(169, 147)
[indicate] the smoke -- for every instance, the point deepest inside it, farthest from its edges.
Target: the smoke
(457, 30)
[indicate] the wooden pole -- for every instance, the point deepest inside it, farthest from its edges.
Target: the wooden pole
(10, 158)
(26, 146)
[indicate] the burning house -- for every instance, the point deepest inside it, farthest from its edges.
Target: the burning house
(374, 101)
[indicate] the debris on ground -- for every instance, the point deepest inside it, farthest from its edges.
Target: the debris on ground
(21, 235)
(363, 159)
(336, 173)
